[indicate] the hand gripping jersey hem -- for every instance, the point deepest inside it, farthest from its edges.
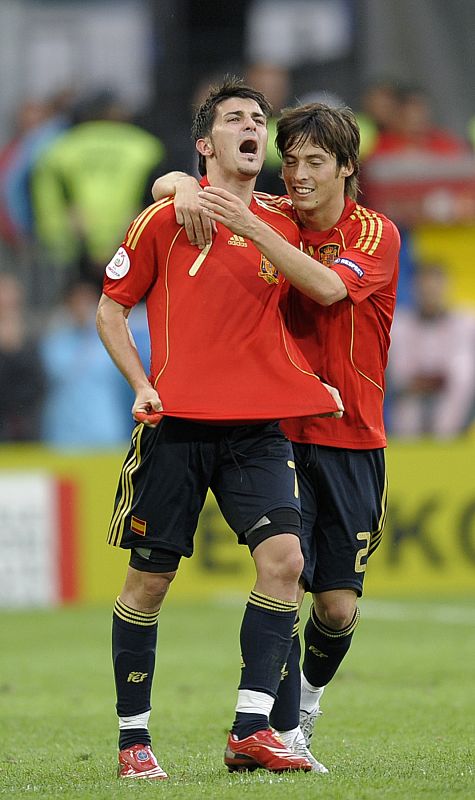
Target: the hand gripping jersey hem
(243, 418)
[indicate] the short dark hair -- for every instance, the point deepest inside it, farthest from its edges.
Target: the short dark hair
(205, 115)
(335, 130)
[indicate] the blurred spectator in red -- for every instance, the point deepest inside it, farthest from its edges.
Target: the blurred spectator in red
(380, 101)
(22, 378)
(417, 173)
(412, 127)
(380, 105)
(87, 186)
(431, 373)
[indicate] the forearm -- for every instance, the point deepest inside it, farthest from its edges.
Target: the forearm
(309, 276)
(165, 185)
(114, 333)
(305, 273)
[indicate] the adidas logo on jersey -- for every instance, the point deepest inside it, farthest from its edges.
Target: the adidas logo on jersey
(237, 241)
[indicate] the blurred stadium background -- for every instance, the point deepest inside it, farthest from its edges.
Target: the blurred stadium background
(97, 98)
(69, 68)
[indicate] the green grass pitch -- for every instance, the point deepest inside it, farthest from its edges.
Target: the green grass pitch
(398, 719)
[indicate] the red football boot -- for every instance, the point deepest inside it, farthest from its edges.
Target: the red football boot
(262, 749)
(138, 761)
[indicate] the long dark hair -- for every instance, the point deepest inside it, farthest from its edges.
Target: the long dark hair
(335, 130)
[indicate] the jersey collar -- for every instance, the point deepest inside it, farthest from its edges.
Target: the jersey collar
(348, 209)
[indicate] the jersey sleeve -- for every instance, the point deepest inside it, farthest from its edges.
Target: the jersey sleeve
(369, 263)
(132, 270)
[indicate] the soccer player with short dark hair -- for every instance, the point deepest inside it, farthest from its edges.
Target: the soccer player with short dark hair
(223, 372)
(340, 310)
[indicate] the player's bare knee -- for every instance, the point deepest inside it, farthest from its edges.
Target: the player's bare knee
(145, 591)
(288, 570)
(335, 610)
(294, 564)
(155, 585)
(149, 576)
(279, 561)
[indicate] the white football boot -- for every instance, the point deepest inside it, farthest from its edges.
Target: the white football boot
(295, 741)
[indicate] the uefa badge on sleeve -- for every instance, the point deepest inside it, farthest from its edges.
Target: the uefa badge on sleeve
(119, 265)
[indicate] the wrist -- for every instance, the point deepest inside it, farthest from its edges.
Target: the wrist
(140, 384)
(258, 232)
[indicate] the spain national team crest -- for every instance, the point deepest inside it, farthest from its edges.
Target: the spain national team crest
(327, 253)
(268, 271)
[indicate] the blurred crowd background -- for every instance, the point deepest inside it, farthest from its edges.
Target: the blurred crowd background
(97, 100)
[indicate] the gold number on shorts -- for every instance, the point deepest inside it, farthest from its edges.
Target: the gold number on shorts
(363, 536)
(291, 464)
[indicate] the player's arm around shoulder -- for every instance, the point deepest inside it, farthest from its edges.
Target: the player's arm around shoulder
(305, 273)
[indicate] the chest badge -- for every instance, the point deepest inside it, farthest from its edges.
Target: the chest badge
(268, 271)
(327, 253)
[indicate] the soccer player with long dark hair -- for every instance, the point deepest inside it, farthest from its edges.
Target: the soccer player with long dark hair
(340, 310)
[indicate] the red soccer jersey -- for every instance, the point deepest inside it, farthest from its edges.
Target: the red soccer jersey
(347, 343)
(220, 350)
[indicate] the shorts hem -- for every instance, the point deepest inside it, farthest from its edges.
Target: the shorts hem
(266, 511)
(333, 587)
(153, 545)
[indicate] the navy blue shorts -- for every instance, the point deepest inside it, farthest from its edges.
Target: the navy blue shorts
(343, 495)
(168, 470)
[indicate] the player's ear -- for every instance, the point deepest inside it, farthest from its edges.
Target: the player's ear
(204, 147)
(347, 170)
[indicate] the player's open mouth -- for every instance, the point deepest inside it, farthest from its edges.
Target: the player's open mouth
(248, 147)
(302, 190)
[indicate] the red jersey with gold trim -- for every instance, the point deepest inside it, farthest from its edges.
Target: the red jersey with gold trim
(220, 350)
(347, 343)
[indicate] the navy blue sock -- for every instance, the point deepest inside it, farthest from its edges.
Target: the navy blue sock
(266, 637)
(325, 648)
(134, 641)
(285, 711)
(130, 736)
(247, 724)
